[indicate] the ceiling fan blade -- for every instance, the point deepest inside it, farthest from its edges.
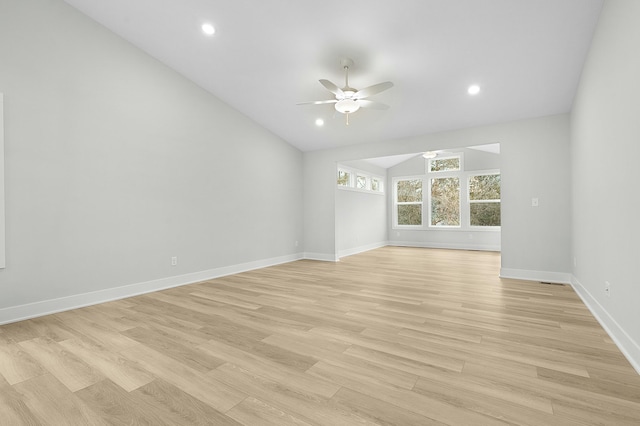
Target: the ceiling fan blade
(372, 90)
(332, 87)
(330, 101)
(366, 103)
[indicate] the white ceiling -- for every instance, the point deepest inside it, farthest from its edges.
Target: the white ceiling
(268, 55)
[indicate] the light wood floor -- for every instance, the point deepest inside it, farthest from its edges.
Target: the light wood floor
(394, 336)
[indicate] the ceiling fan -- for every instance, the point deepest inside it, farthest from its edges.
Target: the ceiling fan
(347, 99)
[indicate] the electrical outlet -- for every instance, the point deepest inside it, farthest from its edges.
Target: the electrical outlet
(534, 202)
(174, 260)
(296, 243)
(607, 288)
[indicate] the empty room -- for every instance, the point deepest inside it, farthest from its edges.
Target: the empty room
(292, 212)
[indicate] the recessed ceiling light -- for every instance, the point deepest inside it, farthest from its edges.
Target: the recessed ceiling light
(474, 89)
(319, 122)
(208, 29)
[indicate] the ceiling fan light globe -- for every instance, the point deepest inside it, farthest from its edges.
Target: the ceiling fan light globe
(347, 106)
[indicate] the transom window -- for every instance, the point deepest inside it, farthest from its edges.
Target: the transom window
(358, 180)
(446, 164)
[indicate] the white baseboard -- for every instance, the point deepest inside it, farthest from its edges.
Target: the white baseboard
(542, 276)
(629, 347)
(46, 307)
(453, 246)
(361, 249)
(325, 257)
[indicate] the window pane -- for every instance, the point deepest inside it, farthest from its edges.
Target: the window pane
(445, 201)
(485, 214)
(410, 214)
(409, 190)
(361, 182)
(484, 187)
(375, 185)
(444, 164)
(343, 178)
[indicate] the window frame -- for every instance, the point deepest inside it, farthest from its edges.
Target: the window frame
(470, 201)
(350, 179)
(458, 155)
(353, 179)
(464, 197)
(396, 203)
(439, 174)
(447, 175)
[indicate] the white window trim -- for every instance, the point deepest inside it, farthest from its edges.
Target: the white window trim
(469, 201)
(459, 155)
(394, 213)
(353, 176)
(465, 219)
(444, 175)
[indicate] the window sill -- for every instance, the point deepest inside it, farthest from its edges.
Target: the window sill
(364, 191)
(448, 228)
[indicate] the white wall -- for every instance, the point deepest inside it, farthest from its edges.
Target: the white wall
(115, 163)
(535, 242)
(468, 239)
(605, 147)
(361, 217)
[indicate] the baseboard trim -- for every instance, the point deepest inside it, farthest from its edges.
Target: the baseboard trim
(452, 246)
(629, 347)
(325, 257)
(52, 306)
(542, 276)
(361, 249)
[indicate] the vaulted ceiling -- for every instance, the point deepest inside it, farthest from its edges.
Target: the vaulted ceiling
(267, 56)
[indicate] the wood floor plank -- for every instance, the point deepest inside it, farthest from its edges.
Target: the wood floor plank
(273, 353)
(74, 373)
(502, 410)
(13, 408)
(121, 407)
(16, 365)
(392, 336)
(307, 406)
(101, 333)
(199, 385)
(379, 412)
(53, 404)
(252, 411)
(173, 347)
(180, 407)
(125, 373)
(270, 369)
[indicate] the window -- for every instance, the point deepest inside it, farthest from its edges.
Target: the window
(484, 200)
(452, 198)
(344, 178)
(409, 202)
(445, 201)
(444, 164)
(361, 182)
(353, 179)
